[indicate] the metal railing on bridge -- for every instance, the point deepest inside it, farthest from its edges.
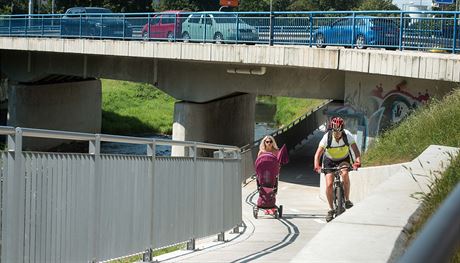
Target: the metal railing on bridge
(421, 30)
(87, 207)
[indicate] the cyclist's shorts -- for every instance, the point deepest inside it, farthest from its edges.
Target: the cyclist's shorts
(328, 163)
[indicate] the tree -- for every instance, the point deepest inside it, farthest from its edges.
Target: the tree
(251, 5)
(125, 6)
(441, 7)
(13, 7)
(177, 5)
(377, 5)
(323, 5)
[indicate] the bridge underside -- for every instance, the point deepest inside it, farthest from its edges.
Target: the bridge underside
(188, 81)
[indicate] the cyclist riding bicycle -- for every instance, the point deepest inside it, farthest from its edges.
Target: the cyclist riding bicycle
(335, 149)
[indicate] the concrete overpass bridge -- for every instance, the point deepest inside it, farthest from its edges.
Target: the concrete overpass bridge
(212, 80)
(379, 87)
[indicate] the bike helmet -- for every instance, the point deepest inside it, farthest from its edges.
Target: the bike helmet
(337, 124)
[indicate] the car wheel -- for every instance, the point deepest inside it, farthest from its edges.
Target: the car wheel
(218, 38)
(319, 39)
(64, 32)
(186, 37)
(360, 42)
(93, 32)
(170, 37)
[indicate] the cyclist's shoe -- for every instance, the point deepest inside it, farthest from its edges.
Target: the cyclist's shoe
(330, 215)
(348, 204)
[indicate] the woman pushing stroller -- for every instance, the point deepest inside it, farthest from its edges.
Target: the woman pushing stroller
(269, 159)
(268, 145)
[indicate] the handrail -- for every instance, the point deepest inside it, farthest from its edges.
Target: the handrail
(250, 13)
(80, 136)
(440, 237)
(402, 30)
(93, 187)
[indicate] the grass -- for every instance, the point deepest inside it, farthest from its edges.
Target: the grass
(437, 123)
(134, 108)
(156, 253)
(289, 109)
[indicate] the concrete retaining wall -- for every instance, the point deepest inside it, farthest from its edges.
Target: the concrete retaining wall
(373, 229)
(365, 180)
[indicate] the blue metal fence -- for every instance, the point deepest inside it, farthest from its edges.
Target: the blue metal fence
(361, 29)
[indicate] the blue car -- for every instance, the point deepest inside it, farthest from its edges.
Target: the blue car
(94, 22)
(368, 31)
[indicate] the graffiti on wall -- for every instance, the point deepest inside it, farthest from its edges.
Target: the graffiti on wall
(393, 106)
(377, 110)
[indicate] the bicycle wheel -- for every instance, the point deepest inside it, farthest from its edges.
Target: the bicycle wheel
(340, 201)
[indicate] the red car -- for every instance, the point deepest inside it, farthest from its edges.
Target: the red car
(165, 25)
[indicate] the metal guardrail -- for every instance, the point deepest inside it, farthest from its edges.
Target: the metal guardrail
(440, 237)
(247, 164)
(415, 30)
(92, 207)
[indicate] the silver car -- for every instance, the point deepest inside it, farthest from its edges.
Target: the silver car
(219, 27)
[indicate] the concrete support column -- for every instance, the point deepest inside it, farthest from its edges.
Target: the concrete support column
(71, 106)
(3, 99)
(226, 121)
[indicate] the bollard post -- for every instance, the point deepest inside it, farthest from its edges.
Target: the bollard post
(221, 236)
(147, 256)
(191, 244)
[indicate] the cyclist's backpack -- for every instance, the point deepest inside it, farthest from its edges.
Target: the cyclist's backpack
(329, 142)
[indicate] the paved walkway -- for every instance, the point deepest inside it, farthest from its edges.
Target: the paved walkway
(267, 239)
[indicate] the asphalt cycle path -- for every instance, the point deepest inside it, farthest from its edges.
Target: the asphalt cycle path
(267, 239)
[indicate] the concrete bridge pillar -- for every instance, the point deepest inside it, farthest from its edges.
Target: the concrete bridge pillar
(227, 121)
(70, 106)
(3, 99)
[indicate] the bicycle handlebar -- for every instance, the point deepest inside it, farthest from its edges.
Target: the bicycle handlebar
(337, 168)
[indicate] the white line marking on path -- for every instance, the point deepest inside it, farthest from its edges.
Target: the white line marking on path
(319, 221)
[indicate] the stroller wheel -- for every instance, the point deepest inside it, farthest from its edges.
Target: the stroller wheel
(280, 211)
(255, 211)
(276, 214)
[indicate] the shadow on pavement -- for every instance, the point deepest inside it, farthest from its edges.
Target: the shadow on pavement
(299, 170)
(305, 216)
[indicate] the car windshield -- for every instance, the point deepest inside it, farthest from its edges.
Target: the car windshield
(97, 10)
(225, 18)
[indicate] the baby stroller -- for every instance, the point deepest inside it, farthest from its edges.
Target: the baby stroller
(267, 173)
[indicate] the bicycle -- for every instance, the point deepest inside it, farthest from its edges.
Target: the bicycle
(338, 193)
